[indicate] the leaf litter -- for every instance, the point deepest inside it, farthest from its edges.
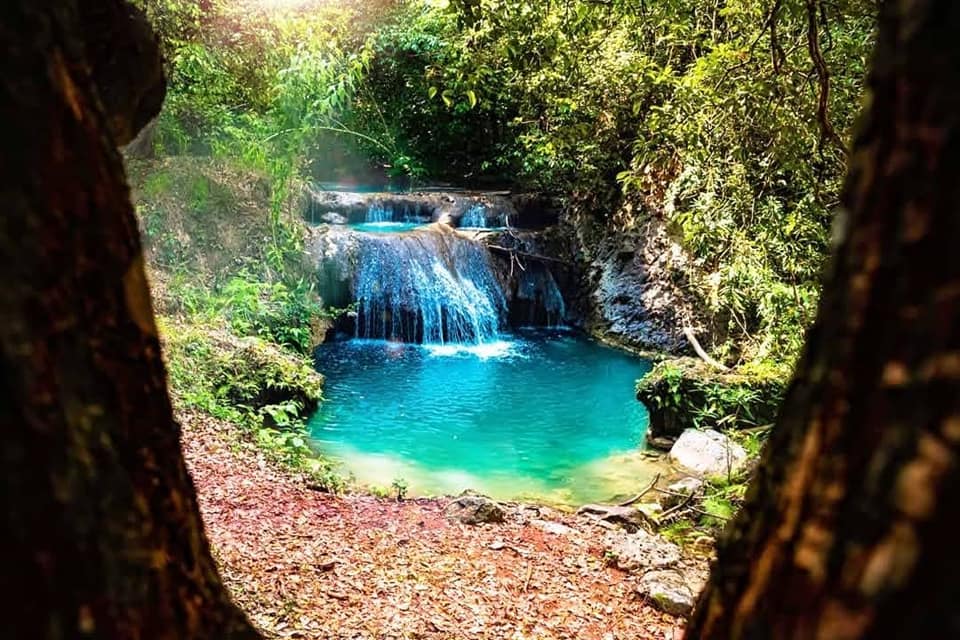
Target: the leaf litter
(304, 564)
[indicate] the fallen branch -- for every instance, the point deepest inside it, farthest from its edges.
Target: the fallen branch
(532, 256)
(640, 495)
(669, 512)
(688, 332)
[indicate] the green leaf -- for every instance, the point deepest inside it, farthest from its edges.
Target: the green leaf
(472, 98)
(432, 93)
(447, 98)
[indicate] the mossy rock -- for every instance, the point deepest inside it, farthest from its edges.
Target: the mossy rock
(686, 393)
(215, 370)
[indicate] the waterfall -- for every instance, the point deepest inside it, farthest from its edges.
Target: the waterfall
(480, 216)
(379, 213)
(543, 301)
(475, 217)
(430, 286)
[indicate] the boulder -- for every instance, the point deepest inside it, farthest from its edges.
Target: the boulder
(629, 518)
(708, 453)
(474, 510)
(641, 551)
(668, 591)
(677, 390)
(660, 443)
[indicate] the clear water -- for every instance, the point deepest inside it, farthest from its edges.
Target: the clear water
(550, 416)
(386, 226)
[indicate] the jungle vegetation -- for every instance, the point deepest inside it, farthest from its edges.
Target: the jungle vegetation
(729, 120)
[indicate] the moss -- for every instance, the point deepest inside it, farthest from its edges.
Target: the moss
(686, 393)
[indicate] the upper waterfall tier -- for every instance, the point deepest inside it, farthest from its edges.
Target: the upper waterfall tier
(457, 209)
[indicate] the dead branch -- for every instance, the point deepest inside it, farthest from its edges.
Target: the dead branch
(688, 332)
(532, 256)
(640, 495)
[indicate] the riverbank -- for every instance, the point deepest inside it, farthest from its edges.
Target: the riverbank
(305, 564)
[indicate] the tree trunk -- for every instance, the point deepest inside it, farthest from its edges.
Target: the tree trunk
(101, 534)
(849, 528)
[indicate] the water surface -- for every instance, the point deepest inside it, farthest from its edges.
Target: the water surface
(387, 226)
(550, 416)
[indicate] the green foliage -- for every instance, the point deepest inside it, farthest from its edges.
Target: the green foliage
(266, 391)
(703, 113)
(272, 311)
(400, 486)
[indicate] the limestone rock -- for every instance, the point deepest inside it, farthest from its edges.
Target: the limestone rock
(474, 510)
(668, 591)
(641, 551)
(334, 218)
(629, 518)
(708, 453)
(555, 528)
(660, 443)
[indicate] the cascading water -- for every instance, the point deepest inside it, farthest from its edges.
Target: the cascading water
(427, 287)
(483, 397)
(378, 213)
(544, 302)
(475, 217)
(481, 216)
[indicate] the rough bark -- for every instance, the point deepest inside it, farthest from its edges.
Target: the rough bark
(101, 531)
(849, 529)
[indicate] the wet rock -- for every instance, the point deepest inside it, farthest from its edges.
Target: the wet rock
(334, 218)
(641, 551)
(669, 591)
(474, 510)
(660, 443)
(708, 453)
(629, 518)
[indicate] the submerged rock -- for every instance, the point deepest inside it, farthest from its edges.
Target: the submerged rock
(709, 453)
(474, 510)
(641, 551)
(669, 591)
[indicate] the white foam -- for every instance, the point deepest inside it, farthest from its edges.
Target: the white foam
(483, 351)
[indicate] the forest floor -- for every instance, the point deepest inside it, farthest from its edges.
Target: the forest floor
(305, 564)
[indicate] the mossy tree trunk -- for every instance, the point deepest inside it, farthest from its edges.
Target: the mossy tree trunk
(101, 532)
(849, 531)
